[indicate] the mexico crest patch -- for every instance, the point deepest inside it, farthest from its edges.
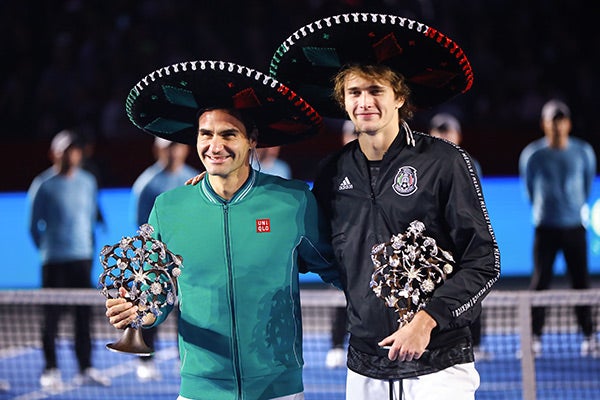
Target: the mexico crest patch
(405, 181)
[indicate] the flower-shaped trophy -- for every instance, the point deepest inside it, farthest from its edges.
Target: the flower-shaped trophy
(408, 269)
(148, 271)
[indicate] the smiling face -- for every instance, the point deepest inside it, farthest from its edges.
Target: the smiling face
(371, 105)
(223, 145)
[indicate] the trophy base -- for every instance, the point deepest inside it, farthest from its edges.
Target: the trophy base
(131, 342)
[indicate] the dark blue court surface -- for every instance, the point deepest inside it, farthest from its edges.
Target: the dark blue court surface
(560, 374)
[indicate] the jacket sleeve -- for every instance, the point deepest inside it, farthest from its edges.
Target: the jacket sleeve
(315, 251)
(456, 303)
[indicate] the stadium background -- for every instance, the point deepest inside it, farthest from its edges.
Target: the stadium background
(71, 63)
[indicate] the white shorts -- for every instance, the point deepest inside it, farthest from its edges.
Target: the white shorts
(297, 396)
(458, 382)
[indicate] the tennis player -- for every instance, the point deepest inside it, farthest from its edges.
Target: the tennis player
(379, 68)
(243, 235)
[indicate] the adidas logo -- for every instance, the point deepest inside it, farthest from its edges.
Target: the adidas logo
(346, 184)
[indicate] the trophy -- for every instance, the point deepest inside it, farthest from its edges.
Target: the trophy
(408, 269)
(148, 271)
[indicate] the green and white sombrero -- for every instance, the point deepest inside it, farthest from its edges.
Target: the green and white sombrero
(166, 102)
(435, 67)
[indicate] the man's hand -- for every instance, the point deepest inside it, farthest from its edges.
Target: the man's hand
(410, 341)
(195, 180)
(121, 312)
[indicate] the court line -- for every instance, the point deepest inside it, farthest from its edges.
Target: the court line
(112, 371)
(11, 352)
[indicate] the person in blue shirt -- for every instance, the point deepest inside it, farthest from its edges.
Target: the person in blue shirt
(267, 161)
(558, 171)
(63, 208)
(168, 172)
(445, 126)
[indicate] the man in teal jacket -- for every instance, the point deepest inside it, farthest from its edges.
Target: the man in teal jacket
(243, 236)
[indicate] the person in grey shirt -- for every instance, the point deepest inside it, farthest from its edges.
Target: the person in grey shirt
(63, 212)
(169, 171)
(558, 171)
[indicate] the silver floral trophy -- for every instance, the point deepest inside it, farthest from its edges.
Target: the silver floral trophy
(148, 271)
(408, 269)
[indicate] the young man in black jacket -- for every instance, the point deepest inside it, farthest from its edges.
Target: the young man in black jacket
(393, 180)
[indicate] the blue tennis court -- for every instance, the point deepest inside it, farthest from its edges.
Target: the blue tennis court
(500, 376)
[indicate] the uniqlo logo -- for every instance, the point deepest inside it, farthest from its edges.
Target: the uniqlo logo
(263, 225)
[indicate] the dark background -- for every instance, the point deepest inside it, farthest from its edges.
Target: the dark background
(71, 63)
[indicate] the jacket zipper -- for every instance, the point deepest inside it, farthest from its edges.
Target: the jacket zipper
(379, 210)
(235, 353)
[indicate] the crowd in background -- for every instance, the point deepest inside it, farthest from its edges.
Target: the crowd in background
(71, 63)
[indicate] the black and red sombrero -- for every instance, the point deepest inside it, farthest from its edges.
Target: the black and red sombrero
(435, 67)
(165, 103)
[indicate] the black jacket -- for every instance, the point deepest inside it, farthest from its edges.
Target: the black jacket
(441, 189)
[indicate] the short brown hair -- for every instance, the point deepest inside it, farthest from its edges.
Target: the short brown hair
(379, 73)
(245, 118)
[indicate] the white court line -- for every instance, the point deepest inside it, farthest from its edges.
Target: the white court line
(10, 352)
(112, 372)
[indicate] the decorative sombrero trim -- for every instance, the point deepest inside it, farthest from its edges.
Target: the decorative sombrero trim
(153, 127)
(318, 31)
(426, 30)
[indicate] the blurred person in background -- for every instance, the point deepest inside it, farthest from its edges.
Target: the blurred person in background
(558, 171)
(63, 213)
(168, 172)
(446, 126)
(266, 160)
(348, 132)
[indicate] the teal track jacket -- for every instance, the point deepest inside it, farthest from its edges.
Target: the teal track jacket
(240, 330)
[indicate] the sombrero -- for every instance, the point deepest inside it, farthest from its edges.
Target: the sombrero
(435, 67)
(165, 103)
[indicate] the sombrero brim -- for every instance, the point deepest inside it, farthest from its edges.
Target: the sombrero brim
(436, 68)
(165, 103)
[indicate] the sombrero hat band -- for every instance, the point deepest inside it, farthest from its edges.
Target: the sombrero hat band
(435, 67)
(345, 18)
(166, 101)
(301, 104)
(426, 30)
(455, 50)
